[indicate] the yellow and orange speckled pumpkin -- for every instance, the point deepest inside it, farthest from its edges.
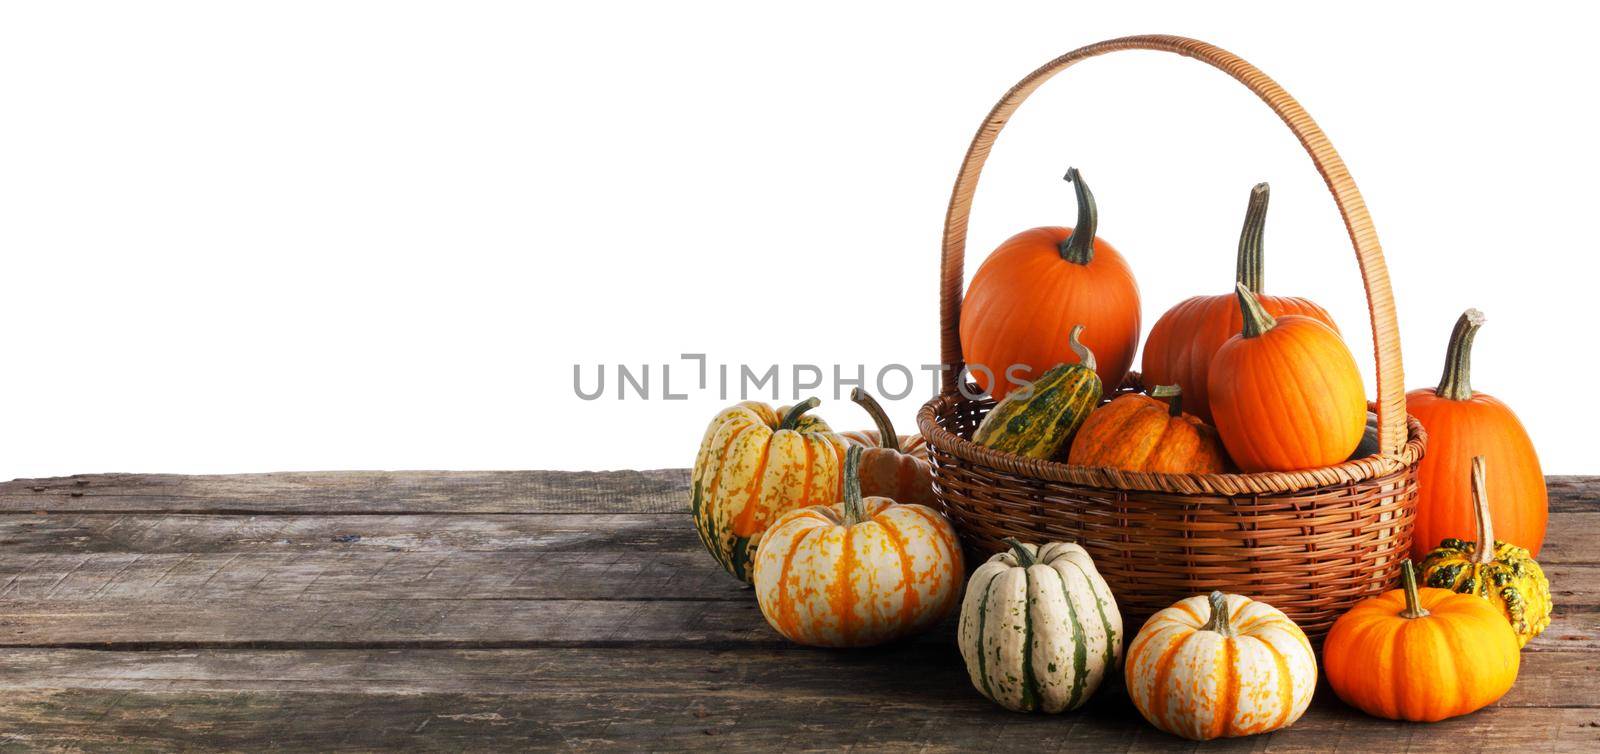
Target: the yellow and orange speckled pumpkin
(862, 572)
(1221, 666)
(754, 465)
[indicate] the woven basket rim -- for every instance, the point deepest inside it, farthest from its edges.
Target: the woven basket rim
(1256, 483)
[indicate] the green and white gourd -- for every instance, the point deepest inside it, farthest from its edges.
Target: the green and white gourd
(1039, 628)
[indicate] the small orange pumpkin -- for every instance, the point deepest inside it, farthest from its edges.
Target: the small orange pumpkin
(1461, 424)
(1183, 342)
(886, 470)
(1286, 392)
(1137, 432)
(1421, 654)
(860, 572)
(1028, 295)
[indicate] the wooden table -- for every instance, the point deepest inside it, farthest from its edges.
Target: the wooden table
(484, 610)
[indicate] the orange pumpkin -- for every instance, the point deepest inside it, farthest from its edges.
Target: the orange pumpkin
(1462, 424)
(887, 471)
(1183, 342)
(1421, 654)
(860, 572)
(1137, 432)
(1034, 288)
(1286, 393)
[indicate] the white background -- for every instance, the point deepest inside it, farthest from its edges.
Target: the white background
(379, 235)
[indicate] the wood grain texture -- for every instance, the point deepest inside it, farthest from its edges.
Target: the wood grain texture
(515, 610)
(365, 491)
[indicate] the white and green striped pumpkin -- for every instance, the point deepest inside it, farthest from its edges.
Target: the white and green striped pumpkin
(1039, 628)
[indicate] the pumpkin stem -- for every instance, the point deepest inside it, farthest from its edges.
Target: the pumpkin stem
(886, 435)
(1078, 248)
(1174, 396)
(1456, 384)
(792, 419)
(1220, 621)
(1256, 319)
(1250, 271)
(855, 509)
(1085, 356)
(1408, 579)
(1024, 558)
(1480, 508)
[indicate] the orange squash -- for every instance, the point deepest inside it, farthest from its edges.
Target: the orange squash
(1286, 392)
(1028, 295)
(1137, 432)
(861, 572)
(1461, 424)
(1421, 654)
(886, 470)
(1182, 343)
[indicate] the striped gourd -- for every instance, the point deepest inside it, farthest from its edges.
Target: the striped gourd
(1222, 665)
(754, 466)
(1039, 628)
(862, 572)
(1039, 422)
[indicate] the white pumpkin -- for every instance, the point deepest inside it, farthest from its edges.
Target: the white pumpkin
(1039, 628)
(1223, 665)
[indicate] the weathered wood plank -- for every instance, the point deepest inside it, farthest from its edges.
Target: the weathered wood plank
(657, 701)
(152, 533)
(669, 697)
(1547, 679)
(1573, 539)
(659, 491)
(274, 621)
(359, 576)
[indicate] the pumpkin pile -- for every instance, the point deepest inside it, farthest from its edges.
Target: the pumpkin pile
(1267, 381)
(842, 537)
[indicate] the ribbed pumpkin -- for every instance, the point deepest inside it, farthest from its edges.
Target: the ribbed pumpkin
(1286, 393)
(1222, 665)
(1183, 341)
(888, 471)
(915, 446)
(1137, 432)
(754, 465)
(1039, 422)
(1034, 288)
(1039, 628)
(1461, 424)
(1500, 572)
(862, 572)
(1420, 654)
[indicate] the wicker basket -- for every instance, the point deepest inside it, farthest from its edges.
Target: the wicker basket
(1309, 542)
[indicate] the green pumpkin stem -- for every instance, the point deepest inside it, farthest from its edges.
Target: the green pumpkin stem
(1251, 269)
(1408, 580)
(1256, 319)
(1480, 508)
(792, 419)
(1024, 558)
(855, 509)
(1085, 356)
(1456, 384)
(1174, 396)
(1220, 621)
(886, 436)
(1078, 248)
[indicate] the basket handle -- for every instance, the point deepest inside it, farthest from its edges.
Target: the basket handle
(1374, 273)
